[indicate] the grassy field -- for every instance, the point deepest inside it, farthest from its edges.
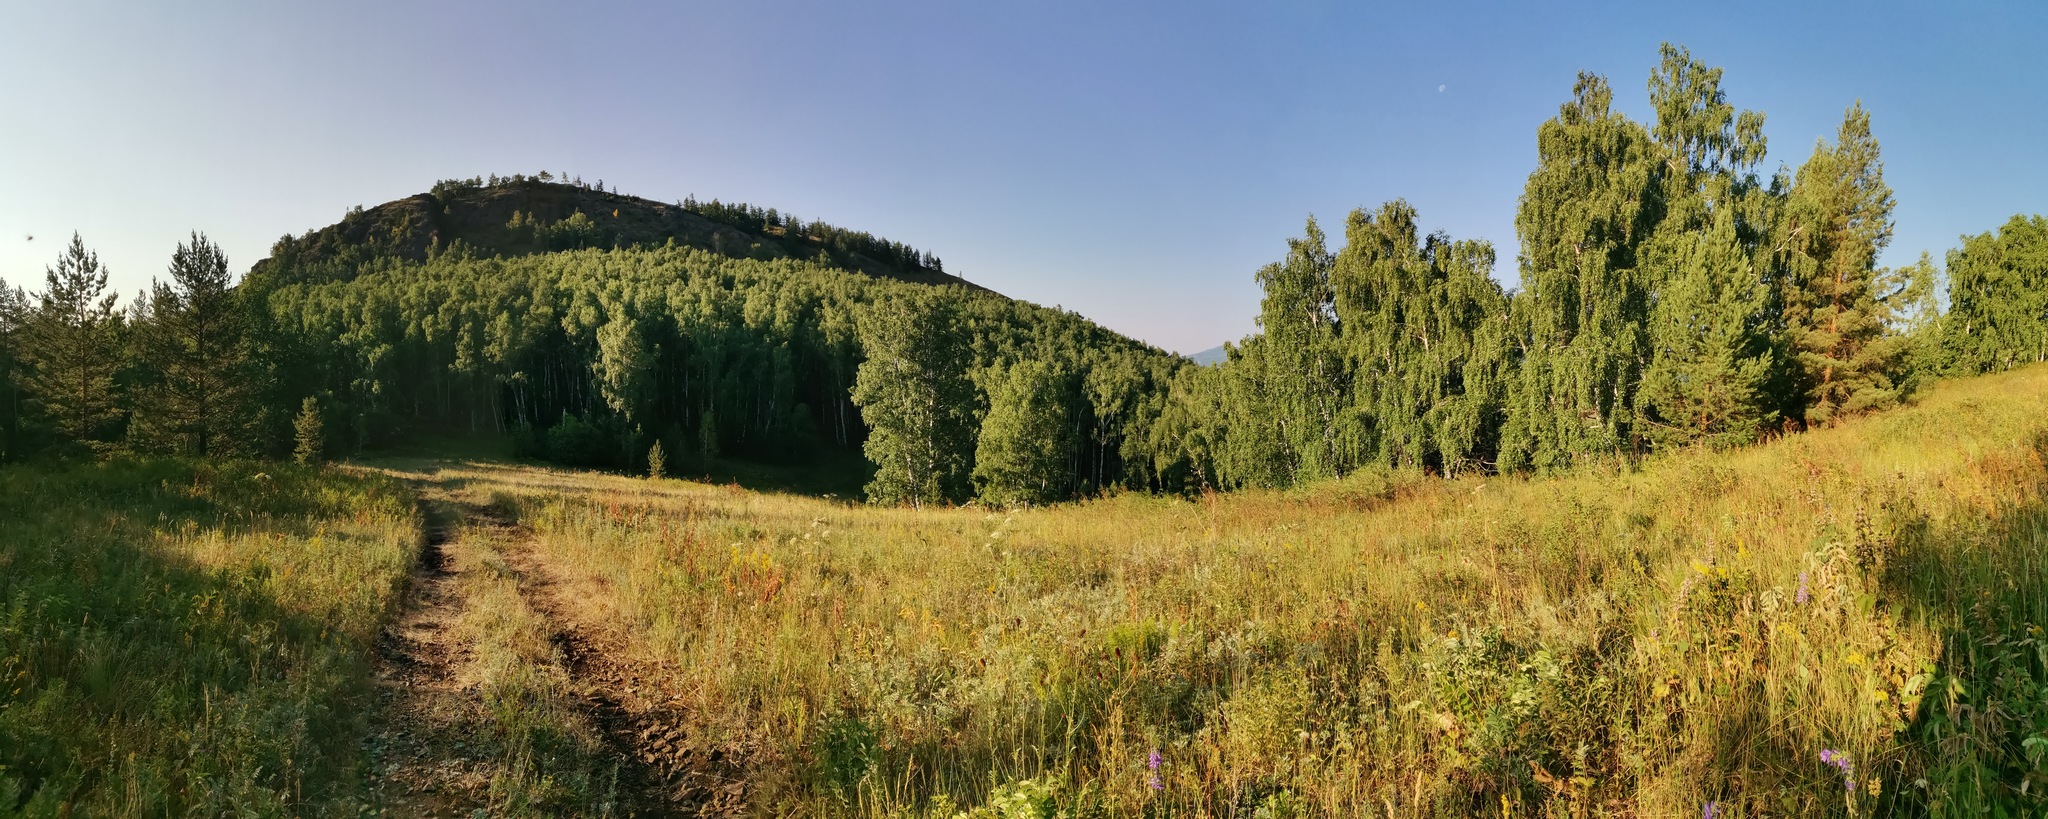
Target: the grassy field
(1846, 622)
(1841, 623)
(180, 639)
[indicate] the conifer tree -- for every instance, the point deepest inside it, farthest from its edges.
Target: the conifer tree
(914, 394)
(309, 433)
(657, 462)
(1711, 363)
(14, 311)
(72, 342)
(194, 343)
(1837, 220)
(1025, 450)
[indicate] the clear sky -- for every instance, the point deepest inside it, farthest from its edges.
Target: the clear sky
(1135, 162)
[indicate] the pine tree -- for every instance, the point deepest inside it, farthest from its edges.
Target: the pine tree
(1837, 220)
(657, 462)
(73, 345)
(1025, 451)
(194, 343)
(309, 433)
(14, 312)
(1706, 381)
(914, 394)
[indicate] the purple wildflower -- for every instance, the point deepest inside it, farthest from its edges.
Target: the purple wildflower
(1152, 763)
(1840, 760)
(1802, 597)
(1709, 811)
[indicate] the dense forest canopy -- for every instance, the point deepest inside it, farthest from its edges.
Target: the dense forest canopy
(1672, 295)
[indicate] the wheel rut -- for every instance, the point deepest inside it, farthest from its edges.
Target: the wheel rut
(432, 712)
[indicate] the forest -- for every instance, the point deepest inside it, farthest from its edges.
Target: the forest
(1671, 296)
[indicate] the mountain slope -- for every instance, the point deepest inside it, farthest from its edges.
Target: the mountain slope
(520, 216)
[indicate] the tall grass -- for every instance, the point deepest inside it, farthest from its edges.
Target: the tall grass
(1651, 641)
(182, 639)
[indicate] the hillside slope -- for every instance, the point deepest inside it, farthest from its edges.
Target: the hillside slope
(1841, 623)
(523, 216)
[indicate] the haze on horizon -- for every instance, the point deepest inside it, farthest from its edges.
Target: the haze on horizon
(1136, 165)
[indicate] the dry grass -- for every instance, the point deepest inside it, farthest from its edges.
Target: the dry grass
(1632, 642)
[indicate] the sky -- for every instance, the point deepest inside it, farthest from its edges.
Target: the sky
(1134, 162)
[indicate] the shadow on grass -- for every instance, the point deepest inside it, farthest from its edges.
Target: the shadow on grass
(138, 682)
(1978, 744)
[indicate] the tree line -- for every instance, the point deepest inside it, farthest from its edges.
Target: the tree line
(1671, 297)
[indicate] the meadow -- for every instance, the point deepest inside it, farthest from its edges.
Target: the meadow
(180, 638)
(1840, 623)
(1846, 622)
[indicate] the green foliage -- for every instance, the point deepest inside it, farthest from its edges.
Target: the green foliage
(1303, 382)
(1837, 219)
(14, 432)
(578, 443)
(1026, 447)
(1425, 328)
(309, 433)
(914, 394)
(199, 398)
(657, 462)
(1998, 299)
(73, 344)
(1579, 318)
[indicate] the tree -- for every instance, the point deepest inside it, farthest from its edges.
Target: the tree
(914, 395)
(195, 345)
(14, 312)
(657, 462)
(1582, 313)
(73, 345)
(1026, 447)
(1305, 379)
(1706, 381)
(1423, 327)
(309, 433)
(1710, 360)
(1838, 218)
(1998, 299)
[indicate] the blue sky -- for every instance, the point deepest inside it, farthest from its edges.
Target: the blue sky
(1134, 162)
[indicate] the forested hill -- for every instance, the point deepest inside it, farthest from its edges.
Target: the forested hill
(521, 215)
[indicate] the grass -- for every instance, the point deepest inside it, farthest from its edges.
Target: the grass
(191, 639)
(1645, 642)
(1841, 623)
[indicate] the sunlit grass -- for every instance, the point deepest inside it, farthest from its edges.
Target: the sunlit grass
(191, 639)
(1621, 641)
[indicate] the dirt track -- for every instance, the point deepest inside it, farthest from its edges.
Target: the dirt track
(433, 726)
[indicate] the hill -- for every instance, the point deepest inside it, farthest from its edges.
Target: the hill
(521, 215)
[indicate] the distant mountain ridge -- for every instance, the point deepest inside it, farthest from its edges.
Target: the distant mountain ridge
(1213, 355)
(521, 215)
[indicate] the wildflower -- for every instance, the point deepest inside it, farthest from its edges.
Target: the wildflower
(1840, 760)
(1152, 763)
(1802, 596)
(1708, 812)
